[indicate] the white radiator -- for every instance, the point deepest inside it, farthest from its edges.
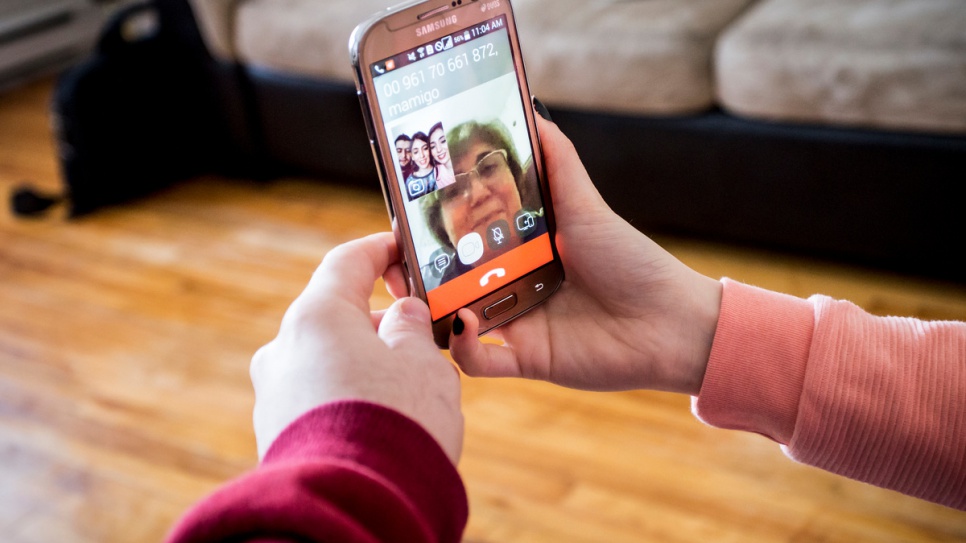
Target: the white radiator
(41, 36)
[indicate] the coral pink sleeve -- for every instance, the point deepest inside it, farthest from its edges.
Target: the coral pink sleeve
(877, 399)
(345, 471)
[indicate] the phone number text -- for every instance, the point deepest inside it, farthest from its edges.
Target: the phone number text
(438, 70)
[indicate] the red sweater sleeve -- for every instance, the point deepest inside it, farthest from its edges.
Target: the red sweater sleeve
(345, 471)
(878, 399)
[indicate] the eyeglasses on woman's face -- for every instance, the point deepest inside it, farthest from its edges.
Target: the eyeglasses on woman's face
(488, 170)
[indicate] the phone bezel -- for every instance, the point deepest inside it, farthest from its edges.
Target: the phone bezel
(388, 33)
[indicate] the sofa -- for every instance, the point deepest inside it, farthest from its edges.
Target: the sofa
(830, 128)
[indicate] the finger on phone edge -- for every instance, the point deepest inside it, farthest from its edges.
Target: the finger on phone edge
(479, 359)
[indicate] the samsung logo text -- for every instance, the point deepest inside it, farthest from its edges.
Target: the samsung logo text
(435, 25)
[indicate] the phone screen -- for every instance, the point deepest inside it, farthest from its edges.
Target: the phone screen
(454, 115)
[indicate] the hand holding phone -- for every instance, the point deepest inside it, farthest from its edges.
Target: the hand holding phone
(452, 128)
(331, 347)
(631, 315)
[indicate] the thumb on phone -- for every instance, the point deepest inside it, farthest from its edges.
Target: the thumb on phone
(407, 326)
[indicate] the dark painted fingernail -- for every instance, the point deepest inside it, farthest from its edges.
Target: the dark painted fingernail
(458, 326)
(541, 109)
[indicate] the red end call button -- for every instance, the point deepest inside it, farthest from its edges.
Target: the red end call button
(470, 286)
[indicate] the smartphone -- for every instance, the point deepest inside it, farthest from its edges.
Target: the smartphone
(451, 122)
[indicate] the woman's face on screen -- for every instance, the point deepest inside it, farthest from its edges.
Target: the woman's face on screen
(437, 145)
(486, 195)
(421, 154)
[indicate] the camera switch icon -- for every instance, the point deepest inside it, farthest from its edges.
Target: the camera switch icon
(416, 188)
(525, 223)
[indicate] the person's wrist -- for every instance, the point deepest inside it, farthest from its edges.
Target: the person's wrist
(705, 309)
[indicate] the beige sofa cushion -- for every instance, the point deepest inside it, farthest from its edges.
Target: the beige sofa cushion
(897, 64)
(628, 56)
(309, 38)
(216, 20)
(637, 56)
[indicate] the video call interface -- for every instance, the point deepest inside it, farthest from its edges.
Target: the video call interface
(454, 115)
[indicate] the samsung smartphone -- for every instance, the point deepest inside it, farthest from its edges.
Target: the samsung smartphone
(451, 123)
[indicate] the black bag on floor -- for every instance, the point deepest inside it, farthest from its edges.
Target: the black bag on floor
(138, 115)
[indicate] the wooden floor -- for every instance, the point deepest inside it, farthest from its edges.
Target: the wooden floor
(125, 339)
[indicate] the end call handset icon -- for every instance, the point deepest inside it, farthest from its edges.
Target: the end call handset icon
(498, 272)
